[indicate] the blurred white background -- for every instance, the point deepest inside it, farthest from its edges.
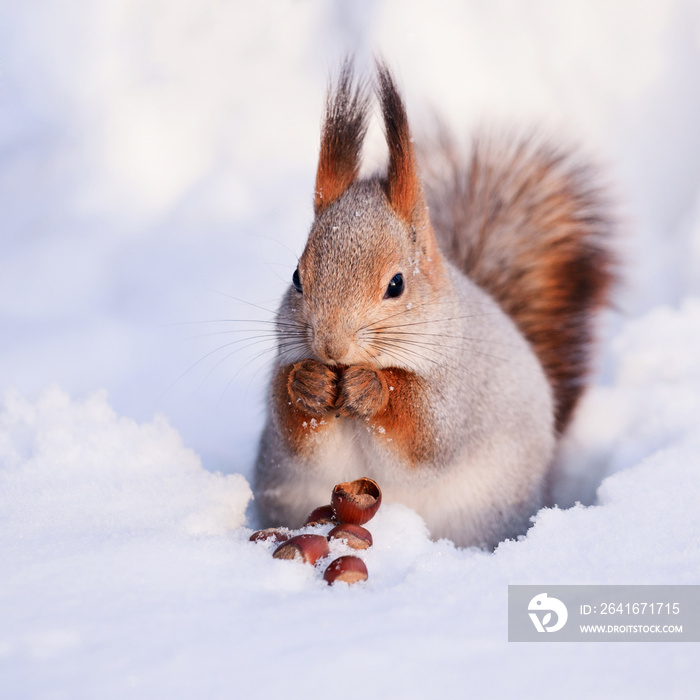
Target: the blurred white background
(157, 158)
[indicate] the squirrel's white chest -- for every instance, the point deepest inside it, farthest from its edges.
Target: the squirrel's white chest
(348, 450)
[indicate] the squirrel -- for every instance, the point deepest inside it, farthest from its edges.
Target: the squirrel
(439, 327)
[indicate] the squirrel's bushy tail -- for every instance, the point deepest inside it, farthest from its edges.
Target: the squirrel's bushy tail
(527, 223)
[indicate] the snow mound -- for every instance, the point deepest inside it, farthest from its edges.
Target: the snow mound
(128, 572)
(652, 403)
(69, 468)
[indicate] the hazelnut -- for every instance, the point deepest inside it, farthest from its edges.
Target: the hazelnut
(355, 536)
(309, 548)
(349, 569)
(270, 533)
(324, 515)
(356, 501)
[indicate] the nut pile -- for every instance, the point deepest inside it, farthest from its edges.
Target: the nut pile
(353, 503)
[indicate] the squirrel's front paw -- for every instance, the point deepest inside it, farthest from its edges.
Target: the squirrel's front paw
(312, 386)
(363, 392)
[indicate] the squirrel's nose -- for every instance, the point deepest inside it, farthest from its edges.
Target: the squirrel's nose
(332, 348)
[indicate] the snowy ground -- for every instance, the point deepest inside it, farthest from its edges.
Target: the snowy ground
(156, 166)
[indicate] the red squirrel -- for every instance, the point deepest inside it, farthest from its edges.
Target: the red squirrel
(437, 333)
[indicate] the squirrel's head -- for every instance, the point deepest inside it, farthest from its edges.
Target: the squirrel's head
(371, 263)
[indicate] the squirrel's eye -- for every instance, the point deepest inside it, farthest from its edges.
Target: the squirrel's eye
(296, 281)
(395, 287)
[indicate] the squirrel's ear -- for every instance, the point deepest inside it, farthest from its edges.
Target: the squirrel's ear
(344, 129)
(402, 183)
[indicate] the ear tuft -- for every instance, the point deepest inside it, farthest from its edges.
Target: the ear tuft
(402, 184)
(343, 132)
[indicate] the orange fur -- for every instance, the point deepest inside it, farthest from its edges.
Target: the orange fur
(298, 424)
(405, 418)
(391, 399)
(344, 129)
(402, 184)
(312, 386)
(363, 391)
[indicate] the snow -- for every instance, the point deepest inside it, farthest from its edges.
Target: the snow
(155, 190)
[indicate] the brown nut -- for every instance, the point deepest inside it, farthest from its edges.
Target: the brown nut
(308, 548)
(324, 515)
(349, 569)
(355, 536)
(270, 533)
(356, 501)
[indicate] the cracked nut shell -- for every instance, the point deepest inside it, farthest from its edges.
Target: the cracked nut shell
(270, 533)
(356, 501)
